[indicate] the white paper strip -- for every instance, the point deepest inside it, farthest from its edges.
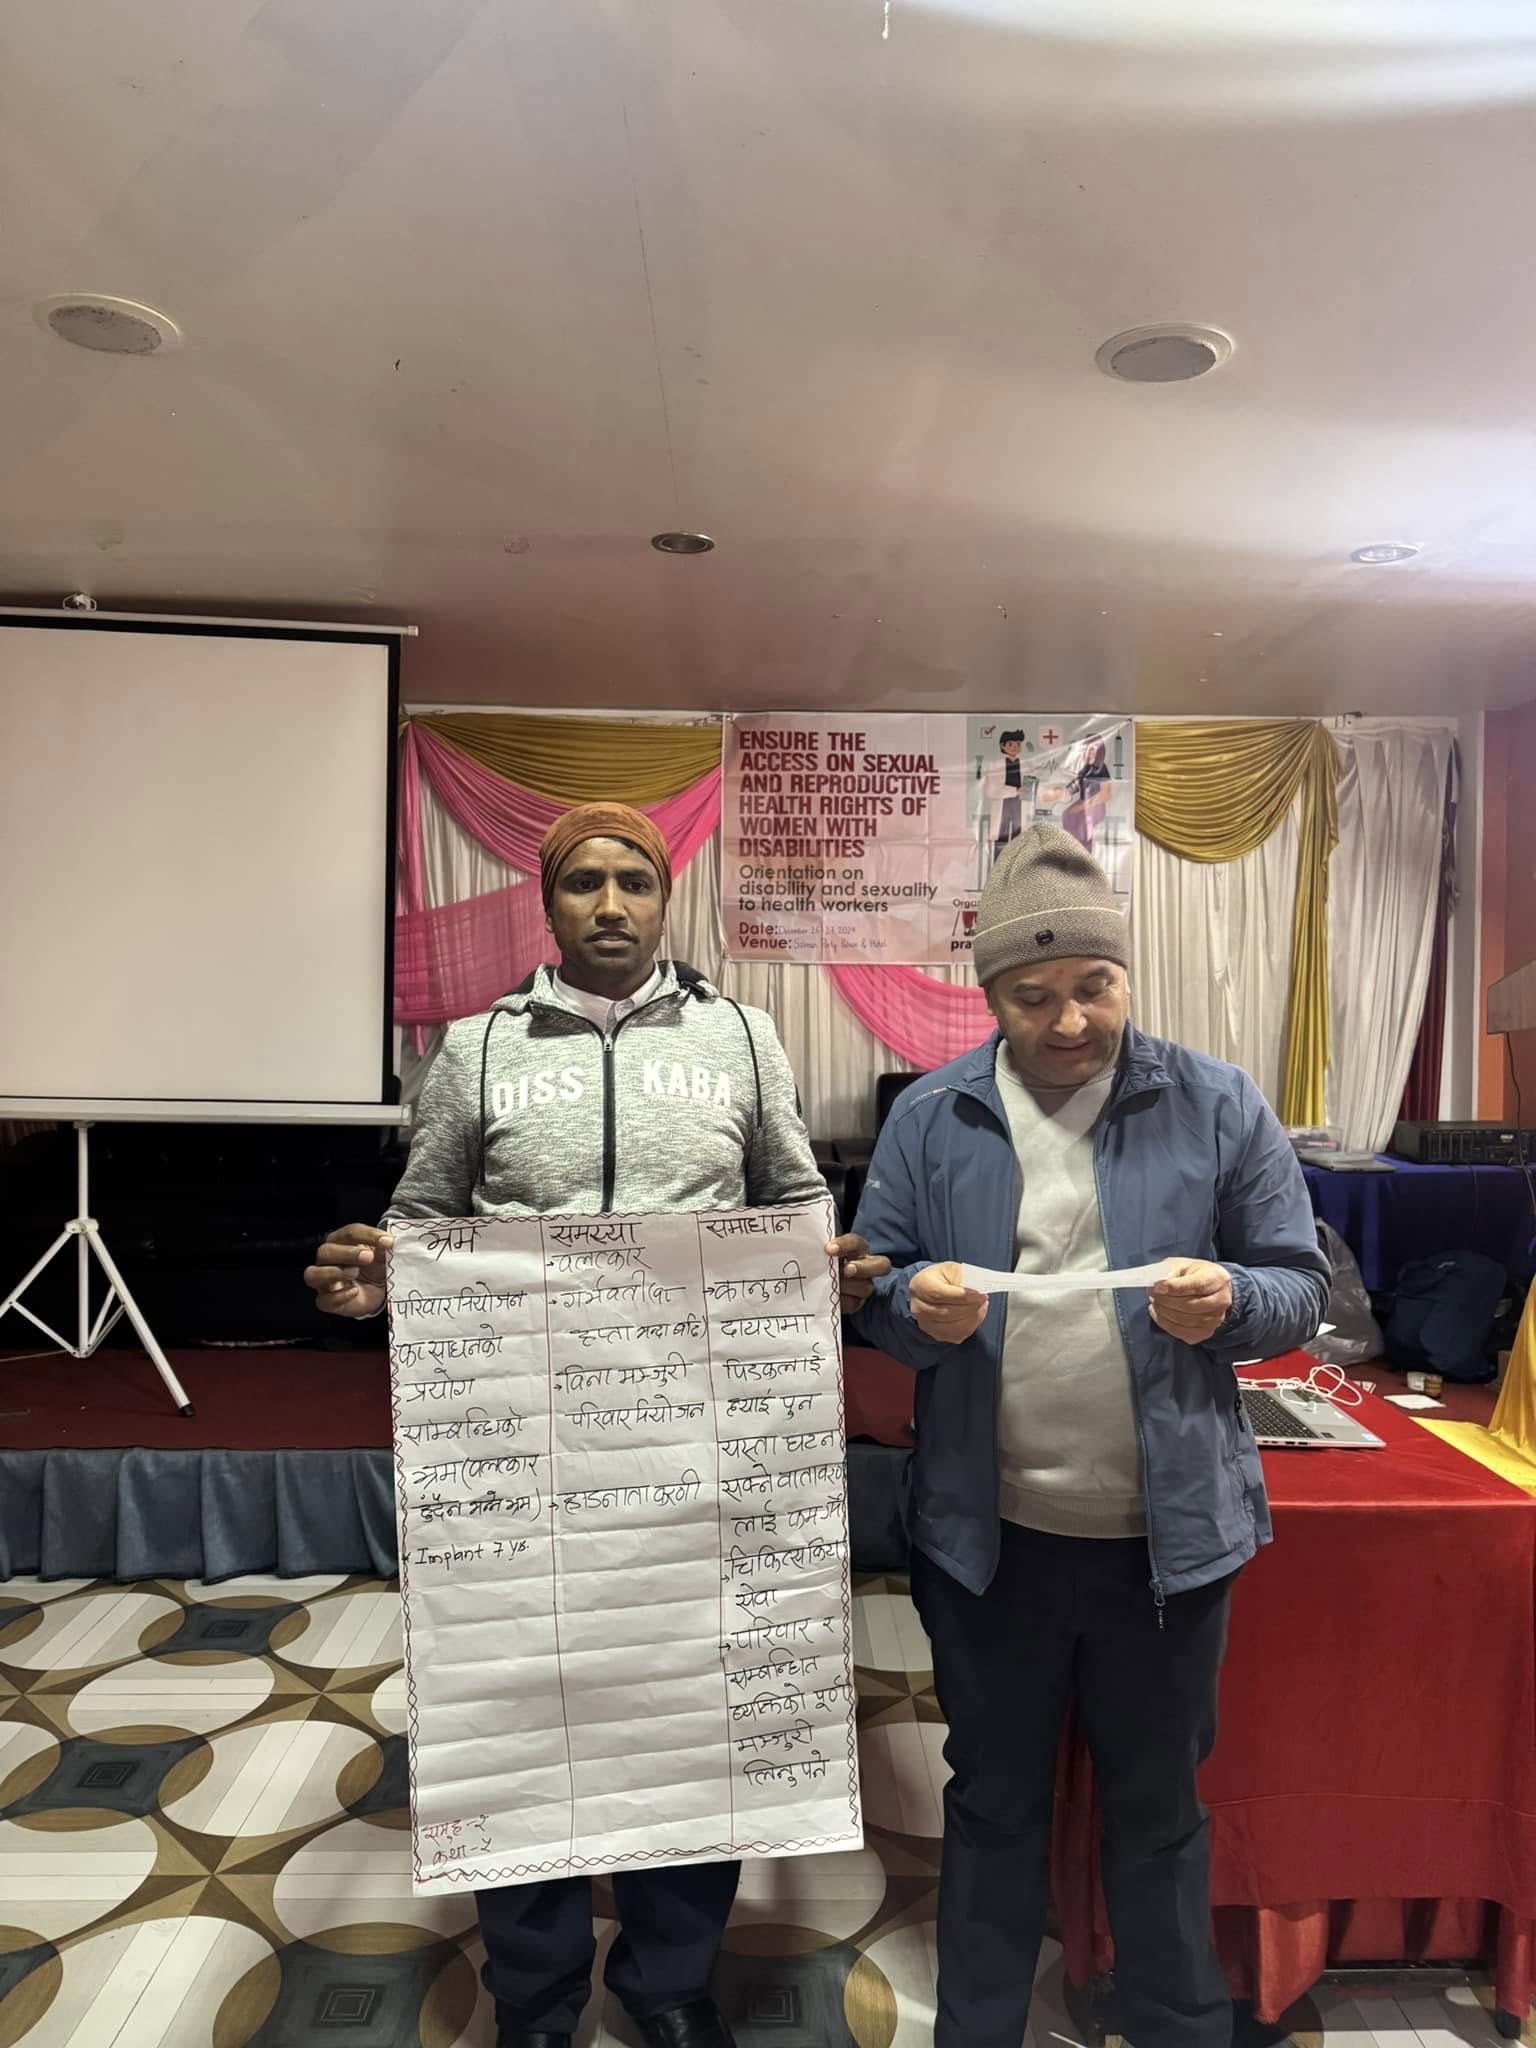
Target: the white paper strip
(623, 1542)
(983, 1280)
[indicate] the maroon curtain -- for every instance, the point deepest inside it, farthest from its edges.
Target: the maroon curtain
(1421, 1096)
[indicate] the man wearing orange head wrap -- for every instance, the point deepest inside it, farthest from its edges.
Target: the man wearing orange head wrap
(616, 1081)
(618, 822)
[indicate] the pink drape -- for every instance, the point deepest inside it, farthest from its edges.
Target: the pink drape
(926, 1021)
(457, 960)
(510, 822)
(454, 961)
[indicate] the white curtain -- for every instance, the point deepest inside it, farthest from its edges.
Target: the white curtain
(835, 1059)
(1211, 946)
(1211, 951)
(1383, 886)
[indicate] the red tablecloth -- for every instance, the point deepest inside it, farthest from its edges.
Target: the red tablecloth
(1373, 1792)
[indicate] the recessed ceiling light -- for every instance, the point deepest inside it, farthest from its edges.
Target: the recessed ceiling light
(1385, 551)
(1163, 355)
(117, 327)
(682, 543)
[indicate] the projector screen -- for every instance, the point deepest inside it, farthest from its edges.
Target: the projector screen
(196, 846)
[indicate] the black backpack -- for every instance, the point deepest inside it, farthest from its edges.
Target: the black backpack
(1443, 1316)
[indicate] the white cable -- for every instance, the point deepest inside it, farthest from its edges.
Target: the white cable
(1323, 1383)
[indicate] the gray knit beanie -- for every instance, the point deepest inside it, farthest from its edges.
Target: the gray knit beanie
(1046, 899)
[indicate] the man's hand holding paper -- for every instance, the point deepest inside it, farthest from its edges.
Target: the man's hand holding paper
(1194, 1301)
(943, 1307)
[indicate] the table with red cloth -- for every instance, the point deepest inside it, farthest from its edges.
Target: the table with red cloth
(1373, 1790)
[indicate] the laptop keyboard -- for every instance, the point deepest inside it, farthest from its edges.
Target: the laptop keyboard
(1271, 1418)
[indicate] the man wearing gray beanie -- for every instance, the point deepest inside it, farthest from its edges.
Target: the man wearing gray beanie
(1085, 1487)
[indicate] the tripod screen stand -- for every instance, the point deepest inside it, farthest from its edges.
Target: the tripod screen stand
(85, 1233)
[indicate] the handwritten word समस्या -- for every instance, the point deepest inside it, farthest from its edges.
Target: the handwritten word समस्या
(601, 1236)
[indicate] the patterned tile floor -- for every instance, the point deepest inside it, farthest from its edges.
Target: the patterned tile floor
(202, 1845)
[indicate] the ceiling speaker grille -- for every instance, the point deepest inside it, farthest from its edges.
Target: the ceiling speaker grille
(1163, 355)
(108, 326)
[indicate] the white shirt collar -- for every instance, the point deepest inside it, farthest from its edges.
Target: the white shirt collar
(597, 1009)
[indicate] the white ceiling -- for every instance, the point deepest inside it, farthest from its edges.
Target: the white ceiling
(478, 294)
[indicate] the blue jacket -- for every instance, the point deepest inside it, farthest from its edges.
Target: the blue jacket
(1190, 1163)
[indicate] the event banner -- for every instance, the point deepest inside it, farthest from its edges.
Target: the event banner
(869, 840)
(622, 1503)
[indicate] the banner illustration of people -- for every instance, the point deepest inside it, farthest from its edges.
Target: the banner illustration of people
(1054, 771)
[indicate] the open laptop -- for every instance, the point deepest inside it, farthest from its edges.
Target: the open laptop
(1344, 1162)
(1298, 1421)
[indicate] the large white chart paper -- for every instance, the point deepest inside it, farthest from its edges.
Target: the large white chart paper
(623, 1542)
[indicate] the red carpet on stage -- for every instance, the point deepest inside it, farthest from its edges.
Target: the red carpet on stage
(262, 1400)
(282, 1400)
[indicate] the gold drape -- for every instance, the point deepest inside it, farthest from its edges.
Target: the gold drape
(1214, 792)
(581, 760)
(1508, 1445)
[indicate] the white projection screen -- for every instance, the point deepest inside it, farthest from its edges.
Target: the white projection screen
(196, 834)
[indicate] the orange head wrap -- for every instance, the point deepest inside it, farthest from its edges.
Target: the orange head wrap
(601, 821)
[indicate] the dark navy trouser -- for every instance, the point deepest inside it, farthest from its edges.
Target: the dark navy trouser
(1069, 1619)
(540, 1946)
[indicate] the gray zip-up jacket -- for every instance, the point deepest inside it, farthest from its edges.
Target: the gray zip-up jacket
(530, 1111)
